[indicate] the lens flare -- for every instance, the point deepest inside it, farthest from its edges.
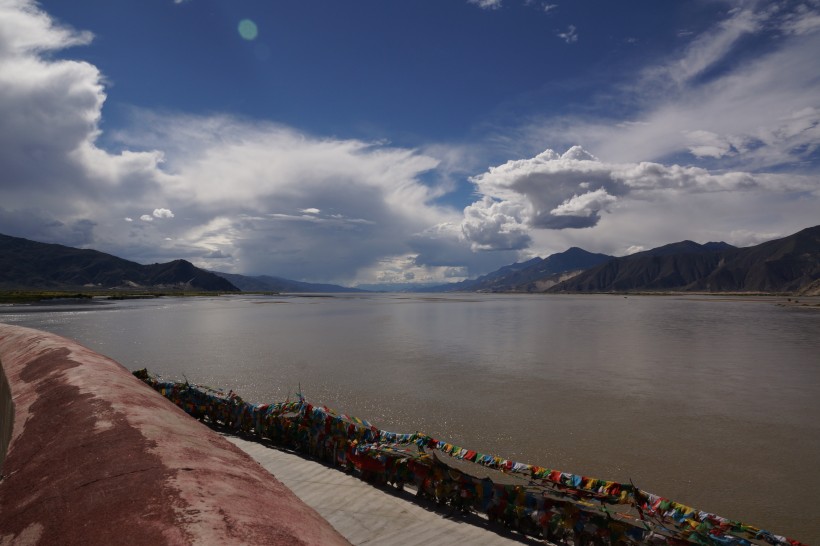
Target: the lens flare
(247, 29)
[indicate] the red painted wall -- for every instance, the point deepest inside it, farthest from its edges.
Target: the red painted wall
(97, 457)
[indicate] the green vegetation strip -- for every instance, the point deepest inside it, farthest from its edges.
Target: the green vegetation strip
(34, 296)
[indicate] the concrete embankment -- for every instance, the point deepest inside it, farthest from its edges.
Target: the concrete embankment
(95, 457)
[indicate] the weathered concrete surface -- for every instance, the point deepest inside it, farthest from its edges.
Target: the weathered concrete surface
(96, 457)
(366, 515)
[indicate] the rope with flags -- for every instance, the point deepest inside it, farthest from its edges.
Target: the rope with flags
(534, 500)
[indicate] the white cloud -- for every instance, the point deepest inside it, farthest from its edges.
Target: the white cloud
(486, 4)
(324, 205)
(751, 108)
(162, 213)
(586, 205)
(556, 192)
(297, 206)
(570, 35)
(26, 29)
(269, 198)
(258, 197)
(495, 225)
(709, 48)
(708, 144)
(803, 20)
(49, 121)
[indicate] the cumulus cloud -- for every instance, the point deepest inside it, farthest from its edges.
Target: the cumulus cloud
(571, 190)
(259, 197)
(162, 213)
(444, 247)
(271, 198)
(586, 205)
(723, 133)
(49, 121)
(322, 204)
(495, 225)
(297, 206)
(722, 136)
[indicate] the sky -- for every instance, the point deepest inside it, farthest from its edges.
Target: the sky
(424, 141)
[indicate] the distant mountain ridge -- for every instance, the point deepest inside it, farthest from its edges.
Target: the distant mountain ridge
(526, 276)
(787, 265)
(26, 264)
(267, 283)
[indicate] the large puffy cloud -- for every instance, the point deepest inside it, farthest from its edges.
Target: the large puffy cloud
(257, 197)
(573, 190)
(445, 246)
(495, 225)
(235, 194)
(284, 202)
(53, 174)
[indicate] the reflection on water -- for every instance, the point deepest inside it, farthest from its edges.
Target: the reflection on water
(712, 403)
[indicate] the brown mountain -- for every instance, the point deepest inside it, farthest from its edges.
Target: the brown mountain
(790, 264)
(527, 276)
(26, 264)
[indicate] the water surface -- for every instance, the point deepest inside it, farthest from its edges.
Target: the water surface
(713, 402)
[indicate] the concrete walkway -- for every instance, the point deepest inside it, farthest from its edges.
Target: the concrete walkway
(367, 515)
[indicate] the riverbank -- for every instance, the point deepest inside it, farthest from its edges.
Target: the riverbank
(68, 296)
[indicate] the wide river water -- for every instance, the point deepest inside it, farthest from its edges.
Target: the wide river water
(713, 402)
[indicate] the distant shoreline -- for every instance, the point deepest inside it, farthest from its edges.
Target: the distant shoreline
(56, 297)
(23, 296)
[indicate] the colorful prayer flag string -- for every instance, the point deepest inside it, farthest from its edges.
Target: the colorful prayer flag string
(552, 504)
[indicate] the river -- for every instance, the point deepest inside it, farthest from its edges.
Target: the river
(710, 401)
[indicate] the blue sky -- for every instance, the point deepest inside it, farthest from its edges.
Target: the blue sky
(371, 141)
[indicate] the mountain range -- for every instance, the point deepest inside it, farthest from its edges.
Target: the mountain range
(28, 264)
(787, 265)
(534, 275)
(267, 283)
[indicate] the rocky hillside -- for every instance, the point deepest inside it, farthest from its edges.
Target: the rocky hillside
(530, 276)
(790, 264)
(26, 264)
